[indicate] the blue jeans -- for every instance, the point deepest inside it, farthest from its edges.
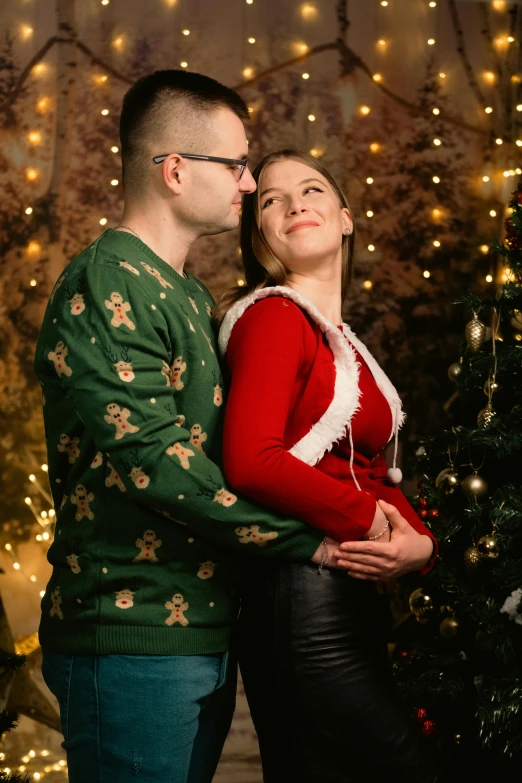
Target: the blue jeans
(128, 718)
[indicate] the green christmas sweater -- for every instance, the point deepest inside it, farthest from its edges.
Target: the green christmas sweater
(148, 535)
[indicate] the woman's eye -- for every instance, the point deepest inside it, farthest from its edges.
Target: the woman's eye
(313, 188)
(268, 202)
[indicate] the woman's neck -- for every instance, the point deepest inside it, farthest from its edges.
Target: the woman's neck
(325, 294)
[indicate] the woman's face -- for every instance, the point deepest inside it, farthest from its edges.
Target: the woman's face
(301, 218)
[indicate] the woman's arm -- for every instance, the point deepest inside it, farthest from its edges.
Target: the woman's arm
(265, 355)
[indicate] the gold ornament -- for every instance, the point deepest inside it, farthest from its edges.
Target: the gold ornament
(491, 386)
(447, 480)
(454, 370)
(449, 627)
(486, 416)
(471, 557)
(421, 604)
(475, 333)
(474, 486)
(488, 547)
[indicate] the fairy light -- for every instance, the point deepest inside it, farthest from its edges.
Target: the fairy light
(248, 72)
(300, 47)
(32, 283)
(305, 76)
(435, 212)
(432, 4)
(519, 107)
(42, 105)
(489, 76)
(241, 282)
(499, 5)
(436, 111)
(52, 512)
(100, 78)
(45, 536)
(8, 547)
(365, 110)
(34, 137)
(377, 77)
(499, 141)
(115, 182)
(431, 41)
(39, 69)
(436, 243)
(31, 174)
(485, 178)
(369, 213)
(368, 285)
(42, 593)
(384, 3)
(105, 2)
(115, 149)
(426, 274)
(308, 11)
(184, 64)
(511, 39)
(493, 212)
(371, 248)
(28, 210)
(314, 152)
(251, 40)
(516, 78)
(118, 42)
(16, 566)
(519, 142)
(436, 180)
(33, 248)
(250, 109)
(437, 142)
(489, 278)
(369, 180)
(484, 249)
(185, 32)
(104, 112)
(249, 2)
(381, 42)
(44, 467)
(311, 117)
(374, 147)
(489, 109)
(442, 75)
(43, 514)
(103, 221)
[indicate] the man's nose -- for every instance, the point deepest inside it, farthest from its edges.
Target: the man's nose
(247, 183)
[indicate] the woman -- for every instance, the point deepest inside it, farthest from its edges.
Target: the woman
(309, 413)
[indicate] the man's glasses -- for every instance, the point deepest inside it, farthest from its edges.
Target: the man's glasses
(238, 165)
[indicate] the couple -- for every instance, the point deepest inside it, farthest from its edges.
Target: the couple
(184, 500)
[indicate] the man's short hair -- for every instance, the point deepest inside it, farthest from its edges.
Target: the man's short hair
(169, 107)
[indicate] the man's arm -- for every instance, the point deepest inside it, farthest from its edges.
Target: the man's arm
(137, 419)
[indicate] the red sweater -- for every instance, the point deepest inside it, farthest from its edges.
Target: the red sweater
(282, 381)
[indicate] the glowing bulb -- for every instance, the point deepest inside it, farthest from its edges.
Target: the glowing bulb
(45, 752)
(371, 248)
(519, 107)
(377, 77)
(114, 149)
(33, 579)
(37, 775)
(39, 537)
(32, 283)
(40, 68)
(34, 137)
(43, 514)
(251, 40)
(489, 76)
(437, 142)
(114, 182)
(433, 4)
(104, 112)
(241, 283)
(33, 248)
(103, 221)
(369, 213)
(381, 42)
(8, 547)
(314, 152)
(42, 593)
(436, 111)
(305, 75)
(365, 110)
(250, 109)
(368, 285)
(499, 141)
(488, 109)
(308, 11)
(436, 180)
(484, 249)
(300, 47)
(311, 117)
(499, 5)
(369, 180)
(516, 78)
(31, 174)
(431, 41)
(493, 212)
(184, 64)
(489, 278)
(249, 2)
(32, 754)
(435, 212)
(27, 32)
(42, 105)
(426, 274)
(374, 146)
(511, 39)
(16, 566)
(118, 42)
(519, 142)
(32, 477)
(105, 2)
(384, 3)
(442, 75)
(45, 536)
(44, 467)
(485, 178)
(247, 72)
(436, 243)
(186, 32)
(28, 210)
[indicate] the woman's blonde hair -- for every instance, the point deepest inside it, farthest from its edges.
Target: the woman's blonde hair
(262, 268)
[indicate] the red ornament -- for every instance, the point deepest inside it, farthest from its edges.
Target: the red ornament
(518, 196)
(423, 502)
(428, 728)
(421, 713)
(423, 513)
(433, 513)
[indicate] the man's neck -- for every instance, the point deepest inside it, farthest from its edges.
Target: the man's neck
(169, 240)
(324, 293)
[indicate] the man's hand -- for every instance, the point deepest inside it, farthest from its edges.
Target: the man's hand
(406, 551)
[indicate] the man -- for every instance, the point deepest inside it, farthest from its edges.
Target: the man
(137, 615)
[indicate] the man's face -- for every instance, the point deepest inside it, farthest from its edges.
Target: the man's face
(212, 192)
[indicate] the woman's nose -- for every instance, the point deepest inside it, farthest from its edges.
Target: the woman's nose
(295, 209)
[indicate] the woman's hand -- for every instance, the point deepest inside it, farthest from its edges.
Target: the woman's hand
(378, 525)
(406, 551)
(332, 547)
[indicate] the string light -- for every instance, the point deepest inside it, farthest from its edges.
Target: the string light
(27, 32)
(35, 137)
(437, 142)
(489, 278)
(114, 149)
(488, 110)
(484, 249)
(31, 174)
(377, 77)
(511, 39)
(371, 248)
(44, 467)
(248, 72)
(368, 285)
(369, 213)
(314, 152)
(381, 42)
(489, 76)
(300, 47)
(103, 221)
(365, 110)
(436, 180)
(186, 32)
(436, 213)
(118, 42)
(485, 178)
(499, 5)
(436, 243)
(251, 40)
(39, 68)
(28, 210)
(431, 41)
(308, 11)
(499, 141)
(493, 212)
(369, 180)
(33, 248)
(433, 4)
(426, 273)
(241, 282)
(104, 112)
(519, 107)
(249, 2)
(442, 75)
(305, 75)
(516, 78)
(436, 111)
(184, 64)
(105, 2)
(32, 283)
(42, 105)
(519, 142)
(374, 147)
(384, 3)
(311, 117)
(114, 182)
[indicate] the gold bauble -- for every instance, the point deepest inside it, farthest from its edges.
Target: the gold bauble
(421, 604)
(475, 333)
(474, 486)
(447, 480)
(471, 557)
(488, 547)
(454, 371)
(449, 627)
(491, 386)
(486, 416)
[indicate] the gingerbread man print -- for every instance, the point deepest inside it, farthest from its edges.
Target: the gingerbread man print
(120, 419)
(56, 599)
(156, 274)
(82, 500)
(147, 546)
(176, 371)
(58, 358)
(177, 608)
(197, 437)
(119, 310)
(69, 447)
(251, 535)
(114, 479)
(126, 265)
(194, 305)
(182, 453)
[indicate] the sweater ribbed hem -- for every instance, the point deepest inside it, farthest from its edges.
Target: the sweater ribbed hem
(134, 640)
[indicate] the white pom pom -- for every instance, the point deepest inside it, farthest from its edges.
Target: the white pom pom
(395, 475)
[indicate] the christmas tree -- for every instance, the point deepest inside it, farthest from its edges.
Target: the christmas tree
(9, 663)
(460, 664)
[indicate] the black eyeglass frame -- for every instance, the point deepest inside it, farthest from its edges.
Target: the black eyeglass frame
(230, 161)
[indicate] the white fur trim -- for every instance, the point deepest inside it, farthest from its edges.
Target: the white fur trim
(332, 425)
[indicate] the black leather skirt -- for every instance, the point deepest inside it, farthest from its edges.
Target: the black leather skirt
(313, 655)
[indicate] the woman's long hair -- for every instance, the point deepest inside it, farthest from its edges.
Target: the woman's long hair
(262, 268)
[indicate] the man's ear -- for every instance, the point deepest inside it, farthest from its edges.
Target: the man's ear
(173, 172)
